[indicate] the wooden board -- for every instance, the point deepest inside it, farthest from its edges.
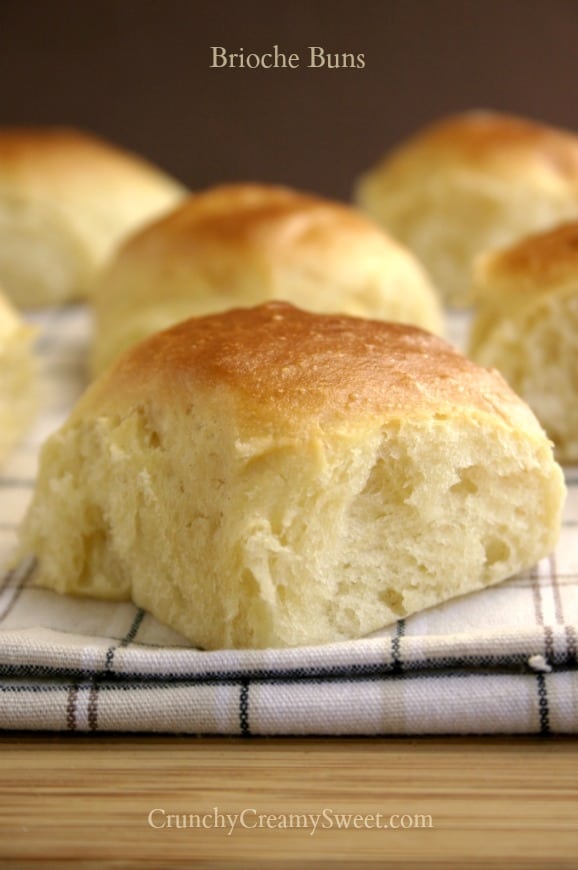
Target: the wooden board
(133, 801)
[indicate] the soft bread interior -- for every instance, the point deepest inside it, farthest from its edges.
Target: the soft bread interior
(533, 342)
(260, 542)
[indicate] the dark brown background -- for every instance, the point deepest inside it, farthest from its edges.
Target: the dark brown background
(137, 71)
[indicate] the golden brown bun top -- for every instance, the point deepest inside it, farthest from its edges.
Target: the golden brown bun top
(254, 215)
(538, 263)
(289, 370)
(235, 244)
(492, 142)
(56, 158)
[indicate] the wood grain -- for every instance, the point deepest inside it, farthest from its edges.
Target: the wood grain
(85, 800)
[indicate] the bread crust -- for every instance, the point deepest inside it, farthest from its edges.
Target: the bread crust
(539, 263)
(493, 142)
(286, 366)
(50, 161)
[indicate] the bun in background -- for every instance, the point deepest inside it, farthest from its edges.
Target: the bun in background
(67, 198)
(472, 182)
(240, 245)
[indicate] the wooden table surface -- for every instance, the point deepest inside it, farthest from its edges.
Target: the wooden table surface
(160, 801)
